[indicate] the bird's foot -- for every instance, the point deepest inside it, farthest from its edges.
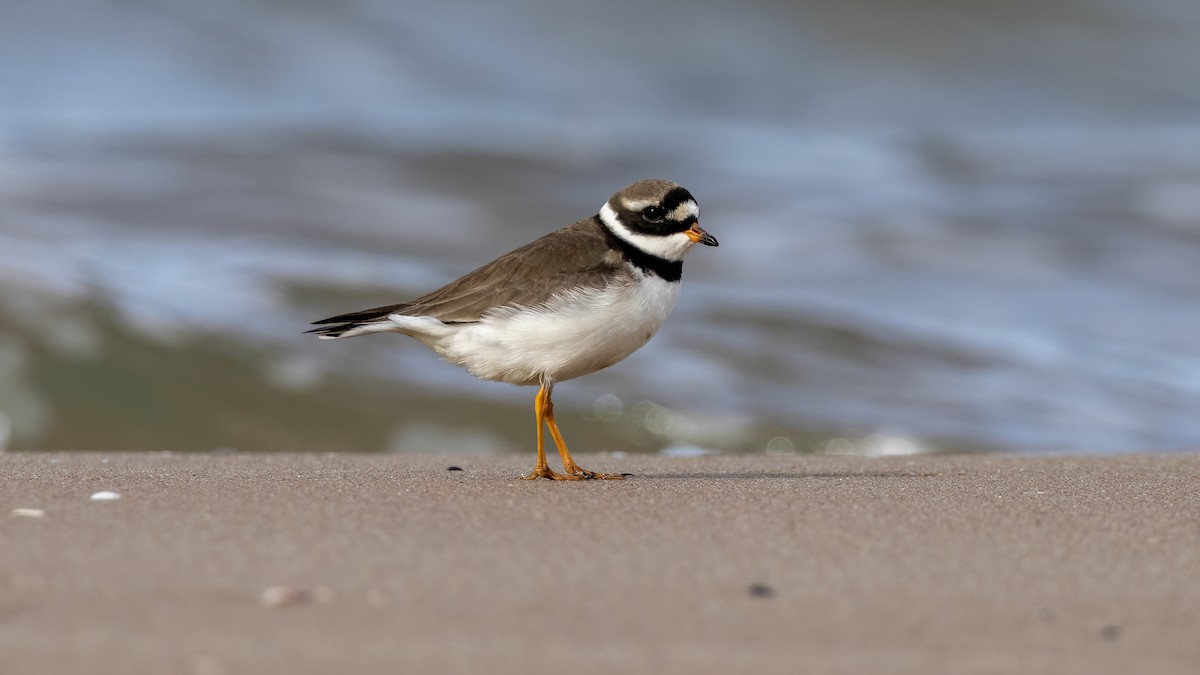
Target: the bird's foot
(545, 472)
(573, 470)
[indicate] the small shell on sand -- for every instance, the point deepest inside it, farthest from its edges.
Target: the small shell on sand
(28, 513)
(104, 496)
(285, 596)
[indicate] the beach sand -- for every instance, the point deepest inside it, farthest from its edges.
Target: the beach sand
(302, 563)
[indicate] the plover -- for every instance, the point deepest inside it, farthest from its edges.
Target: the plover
(570, 303)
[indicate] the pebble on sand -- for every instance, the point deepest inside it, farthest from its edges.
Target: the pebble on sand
(28, 513)
(104, 496)
(285, 596)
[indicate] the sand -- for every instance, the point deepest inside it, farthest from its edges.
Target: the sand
(749, 564)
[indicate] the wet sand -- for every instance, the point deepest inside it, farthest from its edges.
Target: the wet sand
(746, 564)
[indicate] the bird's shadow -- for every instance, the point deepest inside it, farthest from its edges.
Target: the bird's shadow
(780, 475)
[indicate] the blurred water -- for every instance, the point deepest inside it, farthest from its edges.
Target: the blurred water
(947, 228)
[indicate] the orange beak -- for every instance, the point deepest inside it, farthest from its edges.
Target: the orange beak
(700, 236)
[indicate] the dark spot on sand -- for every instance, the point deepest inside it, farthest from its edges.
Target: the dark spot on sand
(1110, 633)
(760, 591)
(626, 474)
(454, 468)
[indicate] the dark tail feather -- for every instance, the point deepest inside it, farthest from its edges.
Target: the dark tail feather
(364, 316)
(352, 329)
(354, 323)
(330, 332)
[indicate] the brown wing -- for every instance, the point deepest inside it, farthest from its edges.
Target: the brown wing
(577, 255)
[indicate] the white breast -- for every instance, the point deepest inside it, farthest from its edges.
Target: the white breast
(576, 333)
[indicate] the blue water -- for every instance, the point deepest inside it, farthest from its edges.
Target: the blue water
(947, 228)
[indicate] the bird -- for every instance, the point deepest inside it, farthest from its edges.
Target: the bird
(570, 303)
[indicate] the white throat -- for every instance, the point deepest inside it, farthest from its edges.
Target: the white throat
(668, 247)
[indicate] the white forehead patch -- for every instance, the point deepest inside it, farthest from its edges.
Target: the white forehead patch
(688, 209)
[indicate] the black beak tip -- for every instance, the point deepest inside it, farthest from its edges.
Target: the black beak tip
(709, 240)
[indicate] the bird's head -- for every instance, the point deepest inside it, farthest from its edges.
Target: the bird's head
(656, 216)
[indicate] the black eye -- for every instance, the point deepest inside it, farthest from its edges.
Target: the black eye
(653, 214)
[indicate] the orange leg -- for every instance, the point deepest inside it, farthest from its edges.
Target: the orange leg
(541, 403)
(569, 464)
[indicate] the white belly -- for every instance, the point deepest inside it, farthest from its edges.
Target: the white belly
(575, 334)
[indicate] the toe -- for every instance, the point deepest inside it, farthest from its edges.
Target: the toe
(592, 475)
(545, 472)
